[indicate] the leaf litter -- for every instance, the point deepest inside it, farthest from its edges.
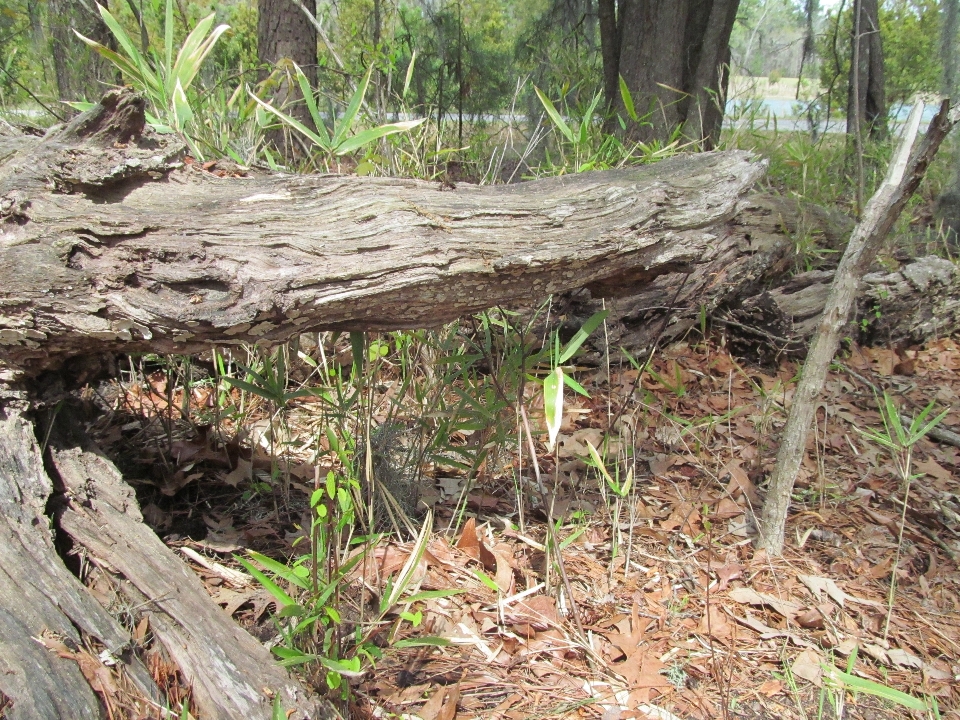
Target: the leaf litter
(687, 620)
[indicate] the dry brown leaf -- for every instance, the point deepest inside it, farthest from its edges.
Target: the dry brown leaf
(807, 666)
(748, 596)
(714, 622)
(469, 543)
(727, 572)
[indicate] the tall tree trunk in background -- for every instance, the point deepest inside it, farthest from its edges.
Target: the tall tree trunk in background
(673, 56)
(948, 204)
(866, 105)
(81, 74)
(284, 32)
(609, 50)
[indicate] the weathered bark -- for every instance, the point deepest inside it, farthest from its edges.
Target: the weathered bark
(38, 594)
(285, 34)
(672, 55)
(919, 301)
(230, 673)
(866, 104)
(135, 253)
(111, 244)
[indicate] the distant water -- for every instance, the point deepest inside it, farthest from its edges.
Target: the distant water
(784, 114)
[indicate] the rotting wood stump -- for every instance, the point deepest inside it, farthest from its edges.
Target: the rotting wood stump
(111, 243)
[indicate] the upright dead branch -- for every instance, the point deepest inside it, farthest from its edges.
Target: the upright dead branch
(903, 177)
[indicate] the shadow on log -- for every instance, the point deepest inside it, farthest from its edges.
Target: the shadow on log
(112, 243)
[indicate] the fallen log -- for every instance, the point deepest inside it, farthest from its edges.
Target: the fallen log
(908, 306)
(112, 243)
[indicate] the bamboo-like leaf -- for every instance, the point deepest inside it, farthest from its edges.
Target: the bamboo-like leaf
(350, 114)
(269, 585)
(287, 120)
(553, 404)
(279, 569)
(187, 70)
(554, 115)
(367, 136)
(575, 386)
(596, 459)
(581, 335)
(870, 687)
(628, 100)
(312, 108)
(588, 120)
(182, 112)
(409, 567)
(409, 77)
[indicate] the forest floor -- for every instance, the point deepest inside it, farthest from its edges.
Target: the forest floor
(697, 623)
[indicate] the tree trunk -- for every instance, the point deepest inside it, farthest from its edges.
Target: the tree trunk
(81, 74)
(903, 178)
(285, 33)
(948, 204)
(866, 106)
(674, 57)
(116, 261)
(609, 50)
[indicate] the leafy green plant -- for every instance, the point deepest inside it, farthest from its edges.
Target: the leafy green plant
(340, 139)
(899, 441)
(557, 378)
(165, 80)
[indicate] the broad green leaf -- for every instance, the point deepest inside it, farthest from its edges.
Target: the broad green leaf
(409, 76)
(348, 668)
(182, 112)
(269, 585)
(554, 115)
(486, 580)
(553, 404)
(433, 594)
(582, 334)
(628, 100)
(596, 459)
(279, 569)
(311, 101)
(341, 128)
(870, 687)
(587, 120)
(575, 386)
(291, 122)
(367, 136)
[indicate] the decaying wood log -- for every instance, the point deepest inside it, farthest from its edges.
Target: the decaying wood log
(38, 594)
(908, 306)
(231, 674)
(111, 244)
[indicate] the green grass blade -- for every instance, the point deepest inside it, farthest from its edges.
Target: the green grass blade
(582, 334)
(289, 121)
(368, 136)
(350, 114)
(554, 115)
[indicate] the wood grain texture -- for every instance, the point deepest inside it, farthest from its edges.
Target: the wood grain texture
(114, 246)
(38, 594)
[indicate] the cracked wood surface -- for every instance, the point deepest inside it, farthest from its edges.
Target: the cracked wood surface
(111, 244)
